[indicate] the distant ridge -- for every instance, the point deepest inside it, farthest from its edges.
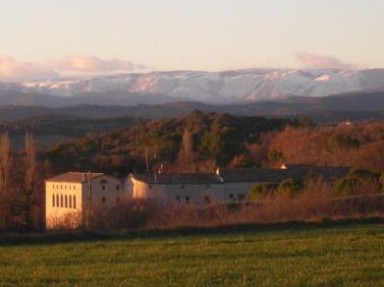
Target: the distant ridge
(214, 88)
(358, 106)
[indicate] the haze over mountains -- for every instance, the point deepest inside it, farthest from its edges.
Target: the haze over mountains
(218, 88)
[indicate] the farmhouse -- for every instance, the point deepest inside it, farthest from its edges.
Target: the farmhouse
(71, 197)
(223, 186)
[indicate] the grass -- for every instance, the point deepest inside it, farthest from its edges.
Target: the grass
(349, 255)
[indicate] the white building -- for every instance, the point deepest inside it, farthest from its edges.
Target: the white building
(70, 197)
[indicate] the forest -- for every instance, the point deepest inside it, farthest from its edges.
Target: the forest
(197, 142)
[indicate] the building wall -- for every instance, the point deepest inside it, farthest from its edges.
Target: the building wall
(138, 189)
(63, 204)
(191, 193)
(105, 191)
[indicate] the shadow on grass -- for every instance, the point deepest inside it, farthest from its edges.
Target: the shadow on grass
(54, 237)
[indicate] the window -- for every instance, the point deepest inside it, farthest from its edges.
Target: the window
(103, 184)
(57, 200)
(53, 186)
(74, 187)
(61, 186)
(66, 201)
(182, 199)
(103, 200)
(74, 201)
(61, 200)
(70, 201)
(53, 200)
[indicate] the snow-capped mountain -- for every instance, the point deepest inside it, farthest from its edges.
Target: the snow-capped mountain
(212, 87)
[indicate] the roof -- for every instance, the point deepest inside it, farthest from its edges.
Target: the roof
(178, 178)
(296, 172)
(75, 177)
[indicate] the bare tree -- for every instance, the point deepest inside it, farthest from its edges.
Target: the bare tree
(5, 161)
(33, 193)
(186, 154)
(30, 157)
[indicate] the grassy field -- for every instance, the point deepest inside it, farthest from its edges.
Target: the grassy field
(350, 255)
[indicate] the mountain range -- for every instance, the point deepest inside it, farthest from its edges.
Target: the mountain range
(212, 88)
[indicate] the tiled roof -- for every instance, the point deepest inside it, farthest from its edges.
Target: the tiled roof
(297, 172)
(75, 177)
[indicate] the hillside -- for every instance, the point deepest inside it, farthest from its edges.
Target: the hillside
(196, 142)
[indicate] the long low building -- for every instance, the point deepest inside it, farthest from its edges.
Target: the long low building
(225, 186)
(71, 196)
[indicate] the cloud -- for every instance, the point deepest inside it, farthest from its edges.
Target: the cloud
(316, 61)
(93, 65)
(13, 71)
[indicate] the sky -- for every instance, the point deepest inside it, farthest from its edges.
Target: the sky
(52, 38)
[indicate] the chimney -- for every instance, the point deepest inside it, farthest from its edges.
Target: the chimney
(218, 174)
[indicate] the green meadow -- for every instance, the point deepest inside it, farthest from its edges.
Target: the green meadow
(343, 255)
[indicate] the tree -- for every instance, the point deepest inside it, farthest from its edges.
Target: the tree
(33, 195)
(354, 180)
(186, 156)
(222, 142)
(289, 187)
(5, 161)
(260, 190)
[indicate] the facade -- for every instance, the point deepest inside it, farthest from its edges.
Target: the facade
(225, 186)
(70, 197)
